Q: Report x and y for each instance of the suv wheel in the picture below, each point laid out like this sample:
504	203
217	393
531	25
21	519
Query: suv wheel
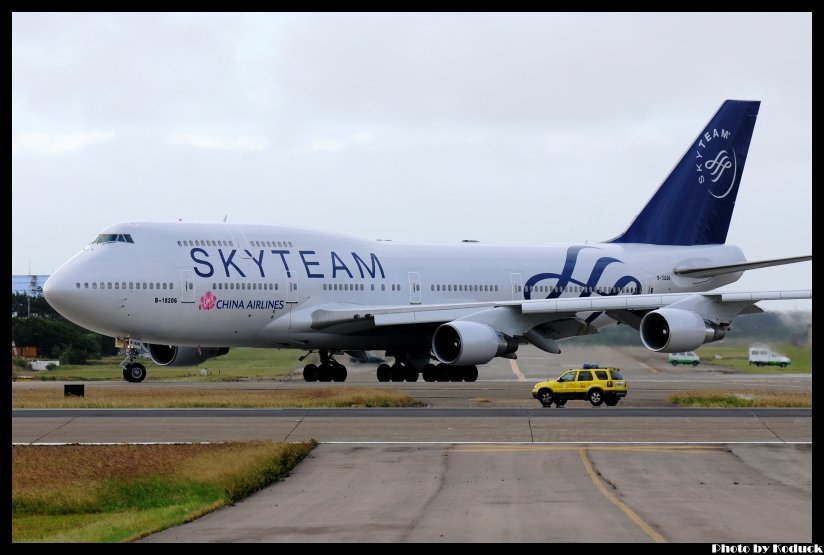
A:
545	397
611	401
596	397
560	402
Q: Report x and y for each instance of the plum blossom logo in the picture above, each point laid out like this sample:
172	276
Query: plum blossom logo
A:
207	301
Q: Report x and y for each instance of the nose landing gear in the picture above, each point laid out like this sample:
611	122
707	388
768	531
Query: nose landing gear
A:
133	371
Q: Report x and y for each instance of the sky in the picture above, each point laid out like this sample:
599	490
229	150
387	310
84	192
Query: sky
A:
505	128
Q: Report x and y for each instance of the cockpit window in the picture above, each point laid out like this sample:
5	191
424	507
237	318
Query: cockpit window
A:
114	238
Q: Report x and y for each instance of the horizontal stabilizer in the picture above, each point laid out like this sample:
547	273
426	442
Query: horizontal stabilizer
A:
710	271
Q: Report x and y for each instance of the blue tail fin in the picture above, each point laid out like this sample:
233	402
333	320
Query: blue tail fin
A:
694	204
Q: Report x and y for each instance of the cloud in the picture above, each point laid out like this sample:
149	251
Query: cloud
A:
58	143
249	143
332	145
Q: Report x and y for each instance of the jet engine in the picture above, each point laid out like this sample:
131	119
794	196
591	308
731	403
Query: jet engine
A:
673	330
465	343
172	355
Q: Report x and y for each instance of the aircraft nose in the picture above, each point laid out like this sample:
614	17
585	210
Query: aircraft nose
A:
60	292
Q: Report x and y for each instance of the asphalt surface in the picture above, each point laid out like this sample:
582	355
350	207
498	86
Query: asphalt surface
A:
484	462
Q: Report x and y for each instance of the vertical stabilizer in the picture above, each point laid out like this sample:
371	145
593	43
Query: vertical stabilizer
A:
693	206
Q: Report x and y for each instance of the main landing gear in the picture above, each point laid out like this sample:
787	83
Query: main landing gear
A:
402	370
329	370
133	371
431	373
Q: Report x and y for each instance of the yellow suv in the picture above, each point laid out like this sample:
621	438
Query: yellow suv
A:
597	385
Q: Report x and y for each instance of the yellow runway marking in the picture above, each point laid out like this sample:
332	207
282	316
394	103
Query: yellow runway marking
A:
517	371
650	531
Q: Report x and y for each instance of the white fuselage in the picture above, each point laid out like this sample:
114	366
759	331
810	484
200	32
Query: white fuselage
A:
227	285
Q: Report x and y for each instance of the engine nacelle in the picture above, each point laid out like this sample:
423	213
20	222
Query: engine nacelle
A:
172	355
673	330
465	343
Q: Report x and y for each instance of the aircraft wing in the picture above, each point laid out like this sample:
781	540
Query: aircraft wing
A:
710	271
519	316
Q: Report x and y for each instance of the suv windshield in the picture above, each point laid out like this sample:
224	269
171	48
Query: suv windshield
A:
616	375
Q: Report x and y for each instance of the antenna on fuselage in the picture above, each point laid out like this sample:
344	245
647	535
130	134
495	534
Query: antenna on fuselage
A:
224	218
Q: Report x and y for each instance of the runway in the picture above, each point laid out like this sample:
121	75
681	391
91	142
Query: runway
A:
483	462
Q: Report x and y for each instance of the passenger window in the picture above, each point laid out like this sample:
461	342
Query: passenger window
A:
568	377
585	376
601	375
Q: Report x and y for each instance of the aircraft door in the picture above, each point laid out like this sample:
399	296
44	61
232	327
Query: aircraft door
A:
291	288
650	284
517	288
187	286
414	288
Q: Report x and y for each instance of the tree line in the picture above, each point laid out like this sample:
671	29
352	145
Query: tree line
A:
34	323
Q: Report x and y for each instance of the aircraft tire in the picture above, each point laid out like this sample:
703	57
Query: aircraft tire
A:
135	372
310	373
325	373
339	373
397	373
430	373
443	373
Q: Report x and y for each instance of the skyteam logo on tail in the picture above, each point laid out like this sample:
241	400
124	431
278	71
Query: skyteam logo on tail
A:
716	162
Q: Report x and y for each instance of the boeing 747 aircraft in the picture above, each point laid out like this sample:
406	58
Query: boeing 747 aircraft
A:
190	291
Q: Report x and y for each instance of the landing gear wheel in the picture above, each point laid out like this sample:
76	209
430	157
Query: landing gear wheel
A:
384	372
471	373
310	373
443	373
339	373
596	397
411	375
134	372
456	373
325	373
397	373
545	397
430	373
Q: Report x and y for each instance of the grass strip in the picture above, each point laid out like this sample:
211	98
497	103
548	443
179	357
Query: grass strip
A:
119	493
744	399
146	396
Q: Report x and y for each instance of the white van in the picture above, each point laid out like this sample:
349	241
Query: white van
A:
764	356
